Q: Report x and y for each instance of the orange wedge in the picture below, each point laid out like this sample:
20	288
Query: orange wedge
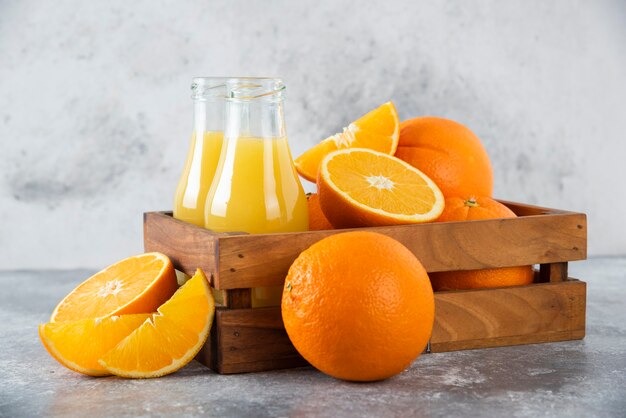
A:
170	338
78	345
138	284
361	187
377	130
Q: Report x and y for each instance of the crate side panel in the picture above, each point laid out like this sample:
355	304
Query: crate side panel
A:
509	316
255	340
187	245
263	260
250	340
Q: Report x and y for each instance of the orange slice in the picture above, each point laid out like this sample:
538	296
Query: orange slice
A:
170	338
78	345
361	187
377	130
138	284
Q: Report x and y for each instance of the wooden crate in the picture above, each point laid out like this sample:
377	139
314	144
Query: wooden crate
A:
245	339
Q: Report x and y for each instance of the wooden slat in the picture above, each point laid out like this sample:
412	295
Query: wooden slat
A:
187	245
246	261
238	298
209	354
523	209
246	340
263	260
509	316
254	340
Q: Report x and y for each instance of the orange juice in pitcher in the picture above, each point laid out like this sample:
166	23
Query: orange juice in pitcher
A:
208	94
256	188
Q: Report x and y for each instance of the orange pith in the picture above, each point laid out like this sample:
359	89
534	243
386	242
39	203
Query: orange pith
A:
170	338
78	345
447	152
138	284
362	187
476	208
377	130
358	306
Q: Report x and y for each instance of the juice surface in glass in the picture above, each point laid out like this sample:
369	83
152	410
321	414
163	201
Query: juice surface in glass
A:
197	176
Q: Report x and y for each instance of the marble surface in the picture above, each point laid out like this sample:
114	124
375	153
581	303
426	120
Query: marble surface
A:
578	378
95	114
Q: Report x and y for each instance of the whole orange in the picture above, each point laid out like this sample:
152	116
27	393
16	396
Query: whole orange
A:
317	219
358	306
475	208
447	152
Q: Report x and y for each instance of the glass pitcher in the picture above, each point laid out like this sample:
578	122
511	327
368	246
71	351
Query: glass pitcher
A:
208	94
256	188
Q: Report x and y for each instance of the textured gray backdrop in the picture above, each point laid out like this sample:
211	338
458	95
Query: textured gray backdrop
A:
95	113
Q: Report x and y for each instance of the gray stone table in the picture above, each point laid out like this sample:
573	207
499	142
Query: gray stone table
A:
578	378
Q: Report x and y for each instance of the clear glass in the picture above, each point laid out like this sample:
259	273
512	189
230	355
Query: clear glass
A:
256	188
209	94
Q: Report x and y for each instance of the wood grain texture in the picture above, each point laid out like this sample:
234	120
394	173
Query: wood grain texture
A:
187	245
508	316
238	298
237	261
263	260
553	272
523	209
252	340
247	340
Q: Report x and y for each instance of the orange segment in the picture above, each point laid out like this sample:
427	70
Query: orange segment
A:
138	284
377	130
362	187
171	338
78	345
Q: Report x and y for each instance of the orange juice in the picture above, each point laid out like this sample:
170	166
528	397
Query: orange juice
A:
256	190
197	176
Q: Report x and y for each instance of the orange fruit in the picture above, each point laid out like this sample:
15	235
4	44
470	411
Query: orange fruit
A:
171	338
358	306
362	187
317	219
447	152
377	130
476	208
481	279
138	284
78	345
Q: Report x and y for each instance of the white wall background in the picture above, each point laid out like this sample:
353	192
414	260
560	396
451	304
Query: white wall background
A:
95	113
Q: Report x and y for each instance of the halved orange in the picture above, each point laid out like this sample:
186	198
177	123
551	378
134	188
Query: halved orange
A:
138	284
78	345
361	187
377	130
170	338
